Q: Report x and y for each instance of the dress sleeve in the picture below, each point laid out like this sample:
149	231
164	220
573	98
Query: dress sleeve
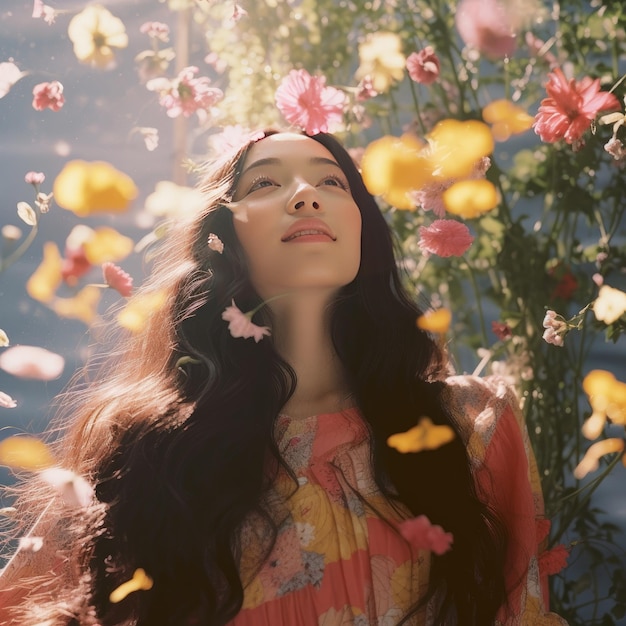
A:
488	413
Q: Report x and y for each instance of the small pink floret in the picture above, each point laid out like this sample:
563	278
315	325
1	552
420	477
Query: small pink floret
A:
34	178
306	102
423	535
445	238
116	278
48	96
423	66
240	324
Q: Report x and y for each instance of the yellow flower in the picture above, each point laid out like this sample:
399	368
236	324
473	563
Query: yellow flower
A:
44	282
470	198
25	453
506	119
610	304
135	314
382	60
424	436
591	460
607	397
106	244
456	146
95	31
93	187
140	581
435	321
80	307
393	167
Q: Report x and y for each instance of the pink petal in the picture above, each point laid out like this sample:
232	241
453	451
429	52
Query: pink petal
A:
445	238
32	362
6	401
74	489
116	278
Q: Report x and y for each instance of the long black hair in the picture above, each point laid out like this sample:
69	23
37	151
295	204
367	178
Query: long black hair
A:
177	430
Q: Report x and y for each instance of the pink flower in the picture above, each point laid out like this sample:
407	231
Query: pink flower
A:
48	96
423	66
233	138
43	10
240	324
308	103
185	94
158	30
32	362
570	108
75	264
486	25
6	401
445	238
215	243
501	330
423	535
116	278
553	561
615	148
238	13
556	328
34	178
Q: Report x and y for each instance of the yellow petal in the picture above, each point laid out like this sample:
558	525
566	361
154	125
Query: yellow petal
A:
507	119
83	306
134	316
457	146
470	198
25	453
106	244
394	167
44	282
92	187
590	462
139	582
435	321
424	436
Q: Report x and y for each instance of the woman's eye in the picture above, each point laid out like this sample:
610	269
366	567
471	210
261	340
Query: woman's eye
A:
334	181
260	184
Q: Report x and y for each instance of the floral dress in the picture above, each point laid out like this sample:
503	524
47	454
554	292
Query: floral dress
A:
338	558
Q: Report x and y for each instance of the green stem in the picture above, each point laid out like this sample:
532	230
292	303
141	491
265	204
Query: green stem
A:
260	306
420	121
481	315
19	251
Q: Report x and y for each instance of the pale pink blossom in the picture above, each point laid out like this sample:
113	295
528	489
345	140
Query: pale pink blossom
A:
365	89
34	178
6	401
306	102
32	362
43	10
501	330
233	138
116	278
215	243
74	490
423	66
445	238
185	94
570	107
423	535
157	30
487	26
555	328
43	201
615	148
48	96
238	13
240	324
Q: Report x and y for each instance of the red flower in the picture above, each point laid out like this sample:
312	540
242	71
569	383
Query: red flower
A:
571	107
116	278
75	264
421	534
553	561
445	238
501	330
423	66
565	287
48	96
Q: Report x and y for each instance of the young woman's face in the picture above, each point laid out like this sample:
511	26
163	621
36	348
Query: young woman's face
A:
302	228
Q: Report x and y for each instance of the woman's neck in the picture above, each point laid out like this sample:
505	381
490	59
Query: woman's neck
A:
301	334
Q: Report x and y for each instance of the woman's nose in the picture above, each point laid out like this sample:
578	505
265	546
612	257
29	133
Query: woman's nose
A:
305	198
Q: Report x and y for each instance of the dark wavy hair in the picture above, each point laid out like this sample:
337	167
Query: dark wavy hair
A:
175	430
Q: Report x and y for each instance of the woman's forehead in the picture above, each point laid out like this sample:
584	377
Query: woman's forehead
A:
286	146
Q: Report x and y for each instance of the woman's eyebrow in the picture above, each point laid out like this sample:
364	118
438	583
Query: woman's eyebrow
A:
275	161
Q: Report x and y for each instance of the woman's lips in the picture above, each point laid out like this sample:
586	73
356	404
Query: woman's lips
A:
304	230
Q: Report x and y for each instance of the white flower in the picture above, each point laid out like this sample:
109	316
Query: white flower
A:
610	304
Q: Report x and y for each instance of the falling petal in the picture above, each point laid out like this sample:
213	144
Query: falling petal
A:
32	362
591	460
139	582
30	544
27	213
6	401
4	339
435	321
82	307
424	436
9	75
134	316
470	198
106	244
73	489
25	453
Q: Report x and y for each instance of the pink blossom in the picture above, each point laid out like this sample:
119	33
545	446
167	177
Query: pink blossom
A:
555	328
185	94
34	178
240	324
6	401
615	148
43	10
486	25
48	96
445	238
233	138
423	66
32	362
238	13
215	243
570	108
308	103
219	65
116	278
365	89
158	30
423	535
75	264
501	330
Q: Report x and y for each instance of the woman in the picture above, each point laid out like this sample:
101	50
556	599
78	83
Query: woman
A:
251	479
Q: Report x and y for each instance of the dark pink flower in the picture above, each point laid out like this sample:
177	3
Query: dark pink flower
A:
308	103
240	324
34	178
423	535
445	238
423	66
487	26
501	330
185	94
571	107
553	561
116	278
75	264
48	96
